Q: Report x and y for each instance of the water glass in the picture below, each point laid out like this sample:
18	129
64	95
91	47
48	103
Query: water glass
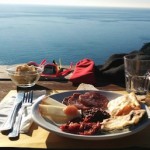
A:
137	73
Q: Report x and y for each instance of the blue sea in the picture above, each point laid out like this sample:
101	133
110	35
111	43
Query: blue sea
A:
33	33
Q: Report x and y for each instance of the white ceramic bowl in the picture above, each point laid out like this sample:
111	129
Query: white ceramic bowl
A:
24	75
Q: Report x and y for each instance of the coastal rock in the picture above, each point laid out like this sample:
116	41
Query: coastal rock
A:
145	48
113	68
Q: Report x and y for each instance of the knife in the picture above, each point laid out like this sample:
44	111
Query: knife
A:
12	116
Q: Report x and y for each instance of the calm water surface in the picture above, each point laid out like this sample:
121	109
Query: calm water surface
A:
70	33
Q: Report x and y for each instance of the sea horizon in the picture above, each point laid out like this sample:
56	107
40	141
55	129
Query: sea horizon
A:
35	32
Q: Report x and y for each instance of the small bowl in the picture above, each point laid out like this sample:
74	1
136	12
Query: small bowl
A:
24	75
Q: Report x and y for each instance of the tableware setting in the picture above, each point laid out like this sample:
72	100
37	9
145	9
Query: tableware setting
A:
137	73
24	75
49	124
26	102
18	119
57	117
22	120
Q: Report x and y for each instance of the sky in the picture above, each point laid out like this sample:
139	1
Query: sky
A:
98	3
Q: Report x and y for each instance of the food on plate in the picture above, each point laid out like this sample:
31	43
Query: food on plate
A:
56	111
120	113
120	122
123	105
82	128
87	100
50	101
89	124
95	114
91	113
71	110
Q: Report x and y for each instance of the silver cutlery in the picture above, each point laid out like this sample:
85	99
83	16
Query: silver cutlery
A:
27	101
12	116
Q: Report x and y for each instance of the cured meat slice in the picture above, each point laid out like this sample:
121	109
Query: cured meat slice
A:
94	99
87	100
74	100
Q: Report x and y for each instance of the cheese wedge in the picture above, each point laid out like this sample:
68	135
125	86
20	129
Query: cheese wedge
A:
56	113
53	112
50	101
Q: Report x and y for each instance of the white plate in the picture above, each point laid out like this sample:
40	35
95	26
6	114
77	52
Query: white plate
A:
59	97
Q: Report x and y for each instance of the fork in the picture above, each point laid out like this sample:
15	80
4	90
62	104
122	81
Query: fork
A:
27	101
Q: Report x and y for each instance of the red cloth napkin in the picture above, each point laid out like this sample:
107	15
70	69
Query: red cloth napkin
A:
84	72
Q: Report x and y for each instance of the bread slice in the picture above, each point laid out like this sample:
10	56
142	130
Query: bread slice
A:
120	122
123	105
